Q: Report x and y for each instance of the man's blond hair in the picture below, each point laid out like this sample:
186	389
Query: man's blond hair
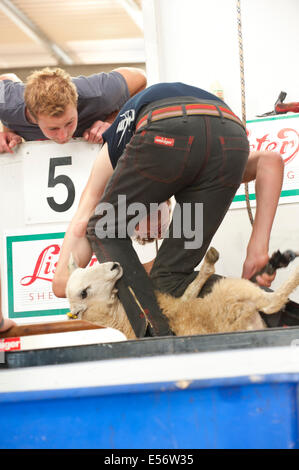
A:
49	91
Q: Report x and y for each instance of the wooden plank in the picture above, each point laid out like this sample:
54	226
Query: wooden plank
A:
46	328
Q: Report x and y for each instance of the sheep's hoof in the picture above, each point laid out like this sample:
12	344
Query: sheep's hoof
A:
72	315
212	255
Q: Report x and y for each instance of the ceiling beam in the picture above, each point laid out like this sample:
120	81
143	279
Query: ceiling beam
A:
33	31
133	11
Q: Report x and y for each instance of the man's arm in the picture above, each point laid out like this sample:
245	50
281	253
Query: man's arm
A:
8	138
93	135
267	169
136	82
75	241
135	78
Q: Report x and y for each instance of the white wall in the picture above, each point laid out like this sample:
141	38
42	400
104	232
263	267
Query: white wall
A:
196	41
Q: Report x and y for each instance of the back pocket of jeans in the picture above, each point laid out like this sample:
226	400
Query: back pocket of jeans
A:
159	156
234	153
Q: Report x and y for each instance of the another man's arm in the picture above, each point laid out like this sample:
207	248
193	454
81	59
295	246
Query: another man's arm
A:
10	76
8	138
93	135
136	82
135	78
267	169
5	323
75	241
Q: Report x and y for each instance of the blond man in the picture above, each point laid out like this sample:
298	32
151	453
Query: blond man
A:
52	105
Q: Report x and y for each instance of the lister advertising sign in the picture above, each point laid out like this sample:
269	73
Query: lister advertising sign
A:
277	134
31	263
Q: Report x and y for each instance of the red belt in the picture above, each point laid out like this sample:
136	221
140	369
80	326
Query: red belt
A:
190	109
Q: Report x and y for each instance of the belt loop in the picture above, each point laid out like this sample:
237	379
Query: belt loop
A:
184	113
220	114
149	117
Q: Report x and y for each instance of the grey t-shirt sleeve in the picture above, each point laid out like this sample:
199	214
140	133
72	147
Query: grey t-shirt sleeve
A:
2	93
11	98
110	89
12	111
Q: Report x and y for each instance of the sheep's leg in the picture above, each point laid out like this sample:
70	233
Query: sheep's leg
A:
275	301
206	270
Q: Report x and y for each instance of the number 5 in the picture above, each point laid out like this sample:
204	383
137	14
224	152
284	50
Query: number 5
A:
61	179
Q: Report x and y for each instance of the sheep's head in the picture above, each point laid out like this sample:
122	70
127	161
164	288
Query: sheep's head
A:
92	290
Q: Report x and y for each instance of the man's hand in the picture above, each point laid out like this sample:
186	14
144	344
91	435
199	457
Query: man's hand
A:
155	225
93	135
9	140
254	263
7	324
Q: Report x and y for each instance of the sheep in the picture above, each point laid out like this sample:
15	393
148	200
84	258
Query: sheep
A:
232	305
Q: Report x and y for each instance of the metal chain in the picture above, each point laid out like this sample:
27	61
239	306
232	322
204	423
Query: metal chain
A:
242	77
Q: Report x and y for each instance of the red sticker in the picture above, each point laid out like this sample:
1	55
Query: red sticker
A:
10	344
164	141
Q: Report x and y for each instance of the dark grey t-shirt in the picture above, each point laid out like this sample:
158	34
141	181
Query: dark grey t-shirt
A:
98	96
